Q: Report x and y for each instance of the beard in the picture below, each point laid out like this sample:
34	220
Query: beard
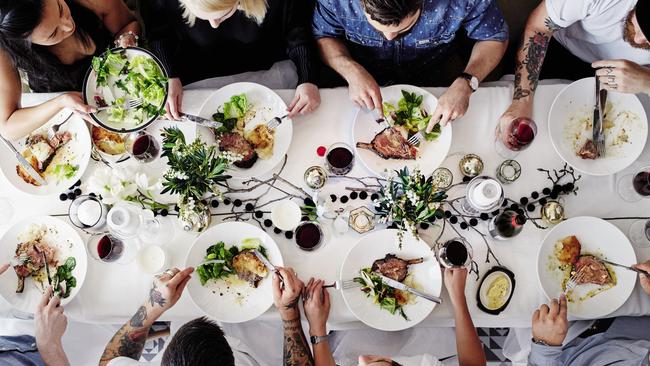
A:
629	32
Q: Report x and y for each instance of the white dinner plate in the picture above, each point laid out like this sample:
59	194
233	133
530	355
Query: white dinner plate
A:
597	237
112	92
241	302
426	277
569	124
69	244
432	153
267	105
76	151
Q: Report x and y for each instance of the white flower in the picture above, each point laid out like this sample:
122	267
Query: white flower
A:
113	185
147	184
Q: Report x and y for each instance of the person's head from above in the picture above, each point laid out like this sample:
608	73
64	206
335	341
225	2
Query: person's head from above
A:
199	342
218	11
392	18
39	22
370	360
637	26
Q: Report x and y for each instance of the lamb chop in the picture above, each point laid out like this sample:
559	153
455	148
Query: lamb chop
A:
592	270
28	260
391	143
394	267
237	144
249	268
588	151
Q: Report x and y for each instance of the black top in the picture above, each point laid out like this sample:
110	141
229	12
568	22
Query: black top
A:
88	24
239	44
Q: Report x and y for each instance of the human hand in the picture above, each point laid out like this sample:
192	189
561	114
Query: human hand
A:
286	293
643	279
623	76
550	324
174	99
520	108
167	288
305	101
74	101
50	322
3	268
364	91
455	279
452	104
316	301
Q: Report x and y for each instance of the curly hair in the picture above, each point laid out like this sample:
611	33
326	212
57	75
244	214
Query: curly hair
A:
390	12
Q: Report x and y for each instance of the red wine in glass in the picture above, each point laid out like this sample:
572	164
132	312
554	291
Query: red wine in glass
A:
144	147
456	253
641	182
506	225
308	236
519	134
340	159
109	248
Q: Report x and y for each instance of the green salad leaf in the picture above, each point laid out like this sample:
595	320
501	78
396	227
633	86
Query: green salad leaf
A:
382	295
63	281
410	114
64	171
236	107
219	251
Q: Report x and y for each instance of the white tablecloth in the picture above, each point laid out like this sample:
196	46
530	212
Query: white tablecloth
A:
111	293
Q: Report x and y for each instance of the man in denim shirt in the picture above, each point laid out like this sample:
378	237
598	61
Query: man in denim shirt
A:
371	42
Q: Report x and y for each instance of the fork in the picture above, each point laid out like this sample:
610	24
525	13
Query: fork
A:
381	121
418	137
275	122
130	104
216	261
19	261
576	276
54	129
343	285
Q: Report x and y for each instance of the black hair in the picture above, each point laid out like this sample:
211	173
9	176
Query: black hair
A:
643	16
199	342
18	19
390	12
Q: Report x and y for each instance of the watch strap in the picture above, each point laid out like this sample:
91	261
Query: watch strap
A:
471	80
317	339
539	341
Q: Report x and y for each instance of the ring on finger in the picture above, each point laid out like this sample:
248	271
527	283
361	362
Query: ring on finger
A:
609	70
611	79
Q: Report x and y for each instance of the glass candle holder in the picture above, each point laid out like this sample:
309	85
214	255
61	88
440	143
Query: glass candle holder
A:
88	213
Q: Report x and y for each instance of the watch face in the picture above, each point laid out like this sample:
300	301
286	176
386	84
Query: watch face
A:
473	83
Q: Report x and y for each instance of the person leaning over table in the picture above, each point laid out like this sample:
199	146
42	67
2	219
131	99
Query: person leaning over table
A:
383	42
616	341
44	349
53	42
202	39
469	348
578	36
201	341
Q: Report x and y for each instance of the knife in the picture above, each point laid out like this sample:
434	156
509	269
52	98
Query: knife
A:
265	261
595	126
201	121
24	163
601	133
639	271
400	286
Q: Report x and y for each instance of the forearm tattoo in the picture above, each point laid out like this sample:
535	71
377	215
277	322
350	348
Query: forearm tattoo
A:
129	340
550	24
295	350
155	297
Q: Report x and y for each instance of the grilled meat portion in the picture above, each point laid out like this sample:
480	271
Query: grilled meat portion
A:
30	255
588	151
394	267
237	144
570	250
391	143
591	270
249	268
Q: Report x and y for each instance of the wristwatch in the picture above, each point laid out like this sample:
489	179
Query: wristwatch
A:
317	339
471	80
539	341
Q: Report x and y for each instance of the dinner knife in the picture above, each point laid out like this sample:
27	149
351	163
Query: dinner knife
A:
400	286
201	121
595	126
264	261
637	270
24	163
601	132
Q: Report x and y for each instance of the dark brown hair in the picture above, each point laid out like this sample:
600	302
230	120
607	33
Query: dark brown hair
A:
390	12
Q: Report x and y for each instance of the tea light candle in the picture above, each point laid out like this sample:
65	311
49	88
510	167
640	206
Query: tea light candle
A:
486	193
89	212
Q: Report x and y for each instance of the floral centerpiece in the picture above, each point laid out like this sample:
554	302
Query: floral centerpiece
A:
195	169
407	200
126	183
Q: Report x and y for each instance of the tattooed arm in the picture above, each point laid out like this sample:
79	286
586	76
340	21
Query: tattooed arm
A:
130	339
530	58
287	289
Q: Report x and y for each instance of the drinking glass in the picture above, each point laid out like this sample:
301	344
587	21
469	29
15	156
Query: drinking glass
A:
88	213
515	137
152	229
309	236
635	187
455	253
483	194
339	159
108	248
639	233
142	146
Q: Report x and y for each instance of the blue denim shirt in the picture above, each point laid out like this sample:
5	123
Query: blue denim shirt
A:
428	39
19	351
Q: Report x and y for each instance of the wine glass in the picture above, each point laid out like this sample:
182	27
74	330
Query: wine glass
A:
639	233
108	248
515	137
455	253
142	146
635	187
339	159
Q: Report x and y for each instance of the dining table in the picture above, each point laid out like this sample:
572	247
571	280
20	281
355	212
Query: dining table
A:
112	292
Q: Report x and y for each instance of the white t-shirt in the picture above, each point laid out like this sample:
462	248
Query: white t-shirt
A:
593	29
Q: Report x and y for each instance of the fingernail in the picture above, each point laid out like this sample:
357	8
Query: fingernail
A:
274	277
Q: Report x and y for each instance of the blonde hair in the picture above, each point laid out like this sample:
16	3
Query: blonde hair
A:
255	9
